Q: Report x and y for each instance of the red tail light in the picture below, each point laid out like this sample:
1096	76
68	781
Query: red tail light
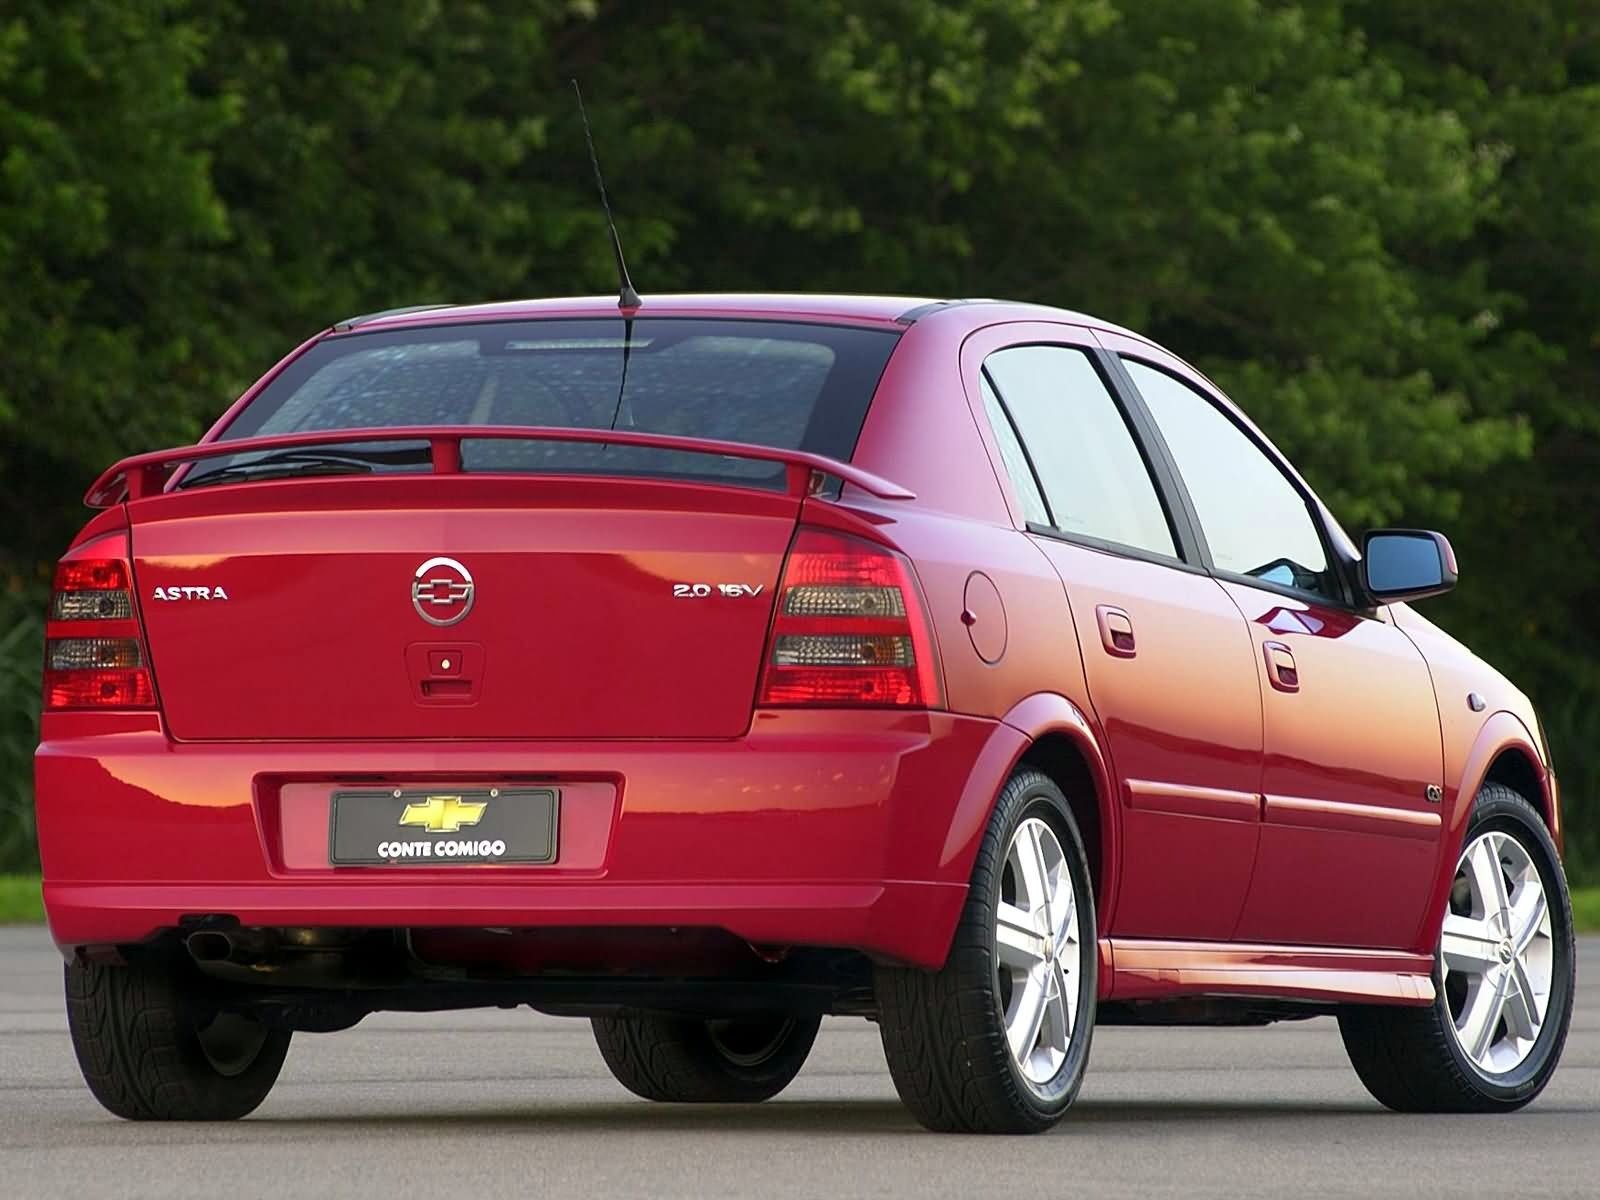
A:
850	629
94	655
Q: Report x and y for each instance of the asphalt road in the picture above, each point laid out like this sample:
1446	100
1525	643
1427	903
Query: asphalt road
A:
488	1104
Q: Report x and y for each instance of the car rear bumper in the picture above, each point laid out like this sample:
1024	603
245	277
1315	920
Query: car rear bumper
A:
853	830
892	918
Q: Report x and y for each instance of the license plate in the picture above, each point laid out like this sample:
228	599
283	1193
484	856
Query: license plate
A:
444	826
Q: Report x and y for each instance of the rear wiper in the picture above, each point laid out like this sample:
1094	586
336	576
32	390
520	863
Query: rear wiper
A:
285	463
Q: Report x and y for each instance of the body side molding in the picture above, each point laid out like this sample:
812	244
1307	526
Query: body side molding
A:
1147	969
1188	801
1353	818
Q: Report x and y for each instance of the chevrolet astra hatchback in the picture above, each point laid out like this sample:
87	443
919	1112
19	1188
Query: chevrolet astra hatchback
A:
708	666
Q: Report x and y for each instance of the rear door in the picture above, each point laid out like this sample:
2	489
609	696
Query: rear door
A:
1350	828
1167	656
550	589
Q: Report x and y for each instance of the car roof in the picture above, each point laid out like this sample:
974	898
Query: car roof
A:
896	311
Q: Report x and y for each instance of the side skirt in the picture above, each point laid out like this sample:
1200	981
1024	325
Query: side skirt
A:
1147	969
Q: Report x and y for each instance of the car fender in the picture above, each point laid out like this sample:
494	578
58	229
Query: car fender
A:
1503	731
1040	715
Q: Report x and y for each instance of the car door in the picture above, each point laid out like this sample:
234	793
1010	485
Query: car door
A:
1166	655
1350	819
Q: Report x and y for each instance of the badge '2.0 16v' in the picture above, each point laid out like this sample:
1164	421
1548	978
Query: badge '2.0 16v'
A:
715	664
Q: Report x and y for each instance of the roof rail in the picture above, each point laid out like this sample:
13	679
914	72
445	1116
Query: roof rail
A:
351	322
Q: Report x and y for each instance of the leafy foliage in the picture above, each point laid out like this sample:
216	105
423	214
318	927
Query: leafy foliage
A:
21	652
1376	228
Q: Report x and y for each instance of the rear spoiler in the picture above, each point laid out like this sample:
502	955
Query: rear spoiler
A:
147	474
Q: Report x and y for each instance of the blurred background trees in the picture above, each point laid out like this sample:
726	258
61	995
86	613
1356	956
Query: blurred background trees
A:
1376	222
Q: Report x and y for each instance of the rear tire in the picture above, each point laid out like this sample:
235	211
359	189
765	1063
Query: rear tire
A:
948	1034
1439	1059
678	1060
151	1050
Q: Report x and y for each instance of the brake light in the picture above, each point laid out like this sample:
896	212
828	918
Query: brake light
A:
94	655
850	629
92	590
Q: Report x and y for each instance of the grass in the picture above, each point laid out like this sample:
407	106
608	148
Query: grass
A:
19	900
20	903
1586	909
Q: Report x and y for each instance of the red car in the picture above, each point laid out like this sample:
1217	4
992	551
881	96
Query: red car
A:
715	664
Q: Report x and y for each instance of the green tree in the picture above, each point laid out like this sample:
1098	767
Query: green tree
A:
1525	82
1377	229
107	218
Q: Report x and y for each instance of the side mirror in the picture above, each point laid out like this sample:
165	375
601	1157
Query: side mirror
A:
1406	564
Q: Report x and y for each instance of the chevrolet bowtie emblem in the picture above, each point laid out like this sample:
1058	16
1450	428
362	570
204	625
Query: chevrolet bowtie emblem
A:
443	814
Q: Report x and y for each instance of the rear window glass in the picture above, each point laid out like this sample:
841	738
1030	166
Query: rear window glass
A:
782	384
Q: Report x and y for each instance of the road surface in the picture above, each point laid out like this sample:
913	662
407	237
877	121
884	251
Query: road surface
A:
487	1104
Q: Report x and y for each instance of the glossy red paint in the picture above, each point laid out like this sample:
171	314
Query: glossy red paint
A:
1349	755
796	833
1185	872
1245	753
576	628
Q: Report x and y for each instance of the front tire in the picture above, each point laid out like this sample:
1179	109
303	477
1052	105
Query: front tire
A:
997	1040
680	1060
1503	976
151	1050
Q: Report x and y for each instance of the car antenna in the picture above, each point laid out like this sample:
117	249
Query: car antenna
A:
628	298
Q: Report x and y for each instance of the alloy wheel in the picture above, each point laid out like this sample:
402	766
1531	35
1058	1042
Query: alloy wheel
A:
1497	954
1037	948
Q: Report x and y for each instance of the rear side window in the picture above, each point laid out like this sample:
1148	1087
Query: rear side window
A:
1015	459
783	384
1095	481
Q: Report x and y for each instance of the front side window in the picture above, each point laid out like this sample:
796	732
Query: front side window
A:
1255	520
1095	481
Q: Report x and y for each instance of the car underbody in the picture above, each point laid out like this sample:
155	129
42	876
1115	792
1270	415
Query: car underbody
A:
318	980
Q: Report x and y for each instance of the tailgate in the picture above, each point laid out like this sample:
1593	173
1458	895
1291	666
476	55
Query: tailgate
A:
458	607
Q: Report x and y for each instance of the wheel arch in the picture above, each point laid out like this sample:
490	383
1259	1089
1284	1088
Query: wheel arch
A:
1517	767
1050	733
1061	758
1504	752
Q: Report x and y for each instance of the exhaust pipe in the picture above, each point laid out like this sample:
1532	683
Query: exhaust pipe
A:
237	946
209	945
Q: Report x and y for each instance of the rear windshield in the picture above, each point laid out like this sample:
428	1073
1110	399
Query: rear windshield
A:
788	385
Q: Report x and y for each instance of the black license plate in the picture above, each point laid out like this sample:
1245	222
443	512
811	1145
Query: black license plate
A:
444	826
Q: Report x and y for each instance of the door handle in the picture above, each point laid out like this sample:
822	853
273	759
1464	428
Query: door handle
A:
1116	631
1281	671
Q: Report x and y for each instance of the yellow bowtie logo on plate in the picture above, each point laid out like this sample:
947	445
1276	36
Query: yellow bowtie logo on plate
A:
443	814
